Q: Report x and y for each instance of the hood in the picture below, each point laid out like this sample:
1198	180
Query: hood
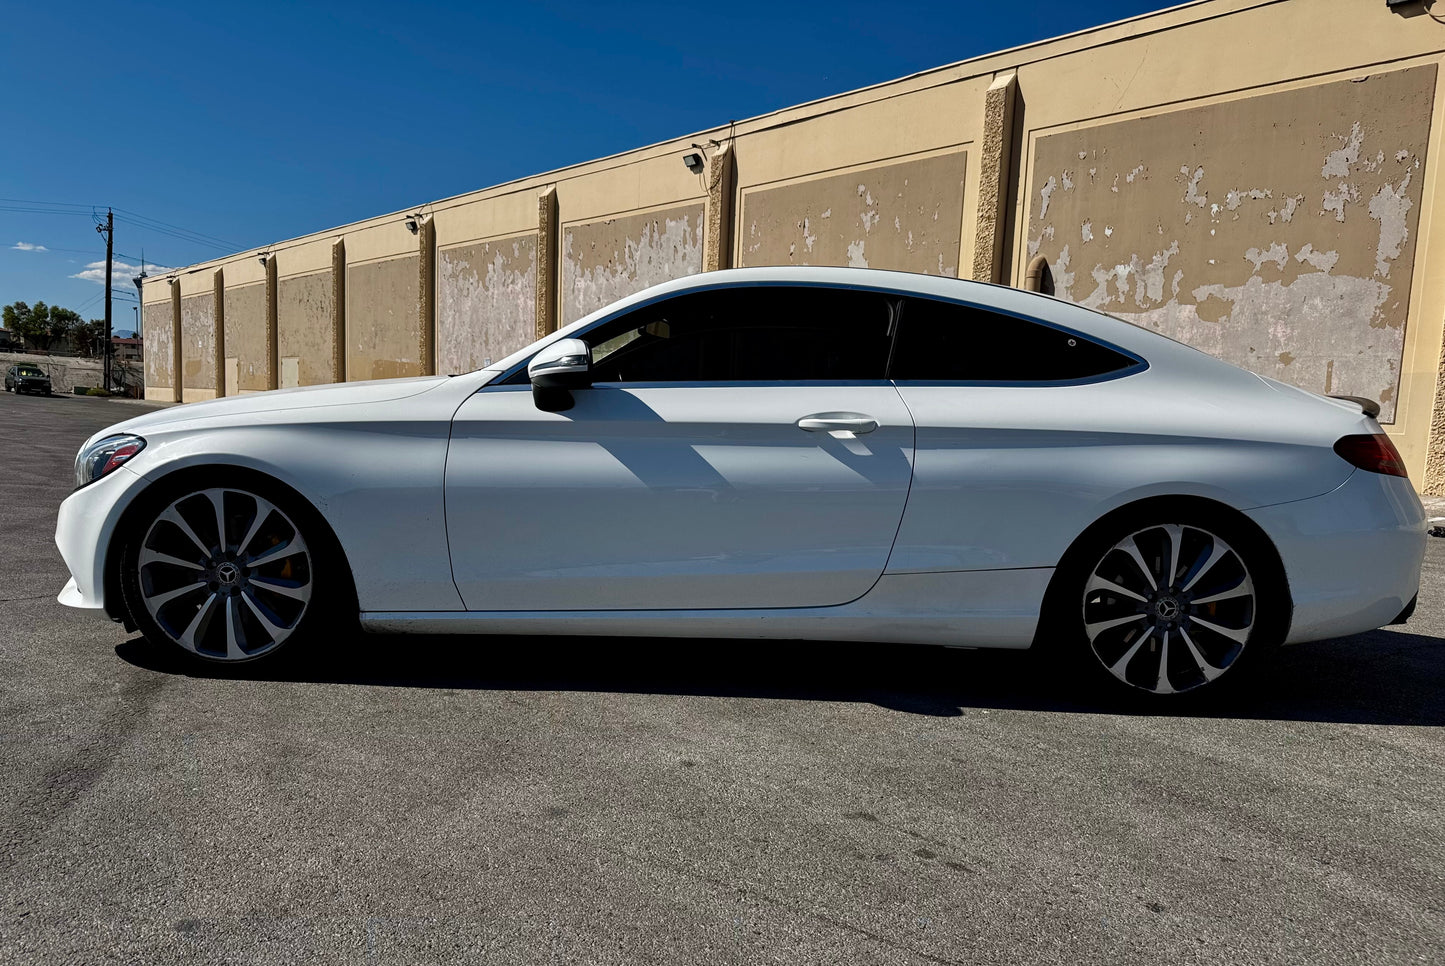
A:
304	397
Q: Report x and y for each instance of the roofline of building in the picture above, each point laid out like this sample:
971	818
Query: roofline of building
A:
805	110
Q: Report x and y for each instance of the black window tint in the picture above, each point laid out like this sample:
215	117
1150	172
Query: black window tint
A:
755	334
959	343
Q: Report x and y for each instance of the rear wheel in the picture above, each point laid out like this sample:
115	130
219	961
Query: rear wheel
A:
1175	604
227	574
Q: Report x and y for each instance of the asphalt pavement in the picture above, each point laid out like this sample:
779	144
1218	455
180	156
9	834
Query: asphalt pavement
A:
514	801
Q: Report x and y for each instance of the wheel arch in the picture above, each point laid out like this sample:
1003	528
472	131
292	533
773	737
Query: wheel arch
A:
1137	510
211	474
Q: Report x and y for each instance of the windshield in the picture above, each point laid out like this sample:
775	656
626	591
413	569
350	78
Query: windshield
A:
28	371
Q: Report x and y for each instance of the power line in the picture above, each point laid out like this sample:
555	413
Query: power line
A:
52	204
155	224
23	206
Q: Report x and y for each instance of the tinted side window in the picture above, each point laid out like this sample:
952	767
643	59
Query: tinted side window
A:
960	343
755	334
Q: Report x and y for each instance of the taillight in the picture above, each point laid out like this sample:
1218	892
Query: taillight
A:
1373	452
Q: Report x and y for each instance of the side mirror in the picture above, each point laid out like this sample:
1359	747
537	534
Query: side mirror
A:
562	366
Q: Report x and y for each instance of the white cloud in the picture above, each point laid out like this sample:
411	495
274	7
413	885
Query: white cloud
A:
29	247
121	273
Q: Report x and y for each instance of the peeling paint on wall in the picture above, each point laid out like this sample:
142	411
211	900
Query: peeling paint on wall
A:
305	328
904	217
198	341
156	321
486	305
246	335
603	261
1284	243
383	319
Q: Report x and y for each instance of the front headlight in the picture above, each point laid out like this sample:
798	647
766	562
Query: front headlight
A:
103	456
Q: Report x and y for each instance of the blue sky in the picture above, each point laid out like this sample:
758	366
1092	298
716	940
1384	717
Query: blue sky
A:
250	123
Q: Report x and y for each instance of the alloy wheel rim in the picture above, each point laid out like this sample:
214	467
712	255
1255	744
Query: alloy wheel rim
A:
225	573
1169	608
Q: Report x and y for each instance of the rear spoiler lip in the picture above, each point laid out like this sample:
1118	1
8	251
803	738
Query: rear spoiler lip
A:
1369	406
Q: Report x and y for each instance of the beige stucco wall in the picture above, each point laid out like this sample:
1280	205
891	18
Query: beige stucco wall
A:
382	328
604	260
902	215
246	357
306	333
1272	231
383	311
486	279
1262	95
198	336
158	330
486	301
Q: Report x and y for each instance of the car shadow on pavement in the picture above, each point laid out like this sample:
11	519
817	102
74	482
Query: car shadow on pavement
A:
1383	677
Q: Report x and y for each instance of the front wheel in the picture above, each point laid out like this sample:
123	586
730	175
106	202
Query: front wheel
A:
227	574
1175	604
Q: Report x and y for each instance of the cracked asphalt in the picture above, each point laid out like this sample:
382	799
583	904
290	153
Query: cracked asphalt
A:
534	800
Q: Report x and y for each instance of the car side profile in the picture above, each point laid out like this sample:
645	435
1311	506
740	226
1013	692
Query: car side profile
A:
27	379
829	454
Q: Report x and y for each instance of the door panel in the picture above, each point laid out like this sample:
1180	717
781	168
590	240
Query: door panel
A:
676	496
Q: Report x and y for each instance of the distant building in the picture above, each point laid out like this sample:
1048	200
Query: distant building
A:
127	350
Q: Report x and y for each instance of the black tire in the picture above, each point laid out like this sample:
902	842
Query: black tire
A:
253	598
1224	611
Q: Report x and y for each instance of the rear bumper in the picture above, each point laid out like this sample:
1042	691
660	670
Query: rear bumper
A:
1352	556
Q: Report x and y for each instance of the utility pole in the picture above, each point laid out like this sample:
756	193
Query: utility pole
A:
108	230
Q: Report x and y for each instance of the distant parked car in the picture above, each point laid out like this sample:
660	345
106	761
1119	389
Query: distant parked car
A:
27	379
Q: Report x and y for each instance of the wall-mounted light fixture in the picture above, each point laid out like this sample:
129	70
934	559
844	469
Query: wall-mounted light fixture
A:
694	161
411	224
262	258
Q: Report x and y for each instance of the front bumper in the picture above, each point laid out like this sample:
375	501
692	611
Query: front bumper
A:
1352	556
83	531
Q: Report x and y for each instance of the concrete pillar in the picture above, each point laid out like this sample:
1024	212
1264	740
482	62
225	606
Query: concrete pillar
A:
548	242
177	373
218	293
338	308
721	185
1434	482
995	172
427	295
273	342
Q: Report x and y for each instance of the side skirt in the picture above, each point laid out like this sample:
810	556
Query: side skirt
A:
976	608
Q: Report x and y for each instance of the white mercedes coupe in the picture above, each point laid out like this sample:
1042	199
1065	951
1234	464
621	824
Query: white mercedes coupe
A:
828	454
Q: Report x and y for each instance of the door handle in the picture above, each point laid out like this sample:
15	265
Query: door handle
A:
836	423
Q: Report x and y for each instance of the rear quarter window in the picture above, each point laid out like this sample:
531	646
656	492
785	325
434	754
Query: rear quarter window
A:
951	342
